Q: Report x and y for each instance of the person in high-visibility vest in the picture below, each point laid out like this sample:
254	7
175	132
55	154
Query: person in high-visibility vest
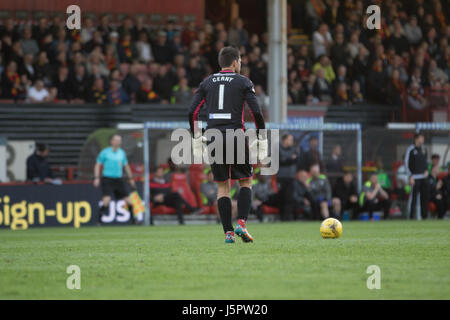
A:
373	197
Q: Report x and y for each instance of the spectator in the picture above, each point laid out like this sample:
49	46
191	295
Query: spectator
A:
263	99
356	96
181	93
320	192
322	88
98	92
143	48
28	44
38	93
96	65
415	97
111	57
335	166
105	27
146	94
446	185
96	41
116	95
310	157
383	177
397	64
12	86
334	13
163	83
341	77
263	194
373	197
237	35
87	31
338	52
398	40
360	68
341	97
27	67
412	31
38	168
438	73
285	175
315	10
395	89
78	84
162	51
140	28
189	34
43	68
376	82
297	94
352	48
322	41
208	192
435	159
324	64
162	194
345	190
302	197
62	84
95	73
177	44
127	49
436	195
195	71
303	72
311	99
131	83
303	55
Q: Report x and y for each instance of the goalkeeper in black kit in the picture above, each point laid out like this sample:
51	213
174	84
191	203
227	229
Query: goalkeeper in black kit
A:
224	94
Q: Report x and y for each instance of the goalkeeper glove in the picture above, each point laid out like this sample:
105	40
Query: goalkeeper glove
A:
263	147
198	146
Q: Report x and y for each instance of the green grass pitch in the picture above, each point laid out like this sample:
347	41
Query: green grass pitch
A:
287	261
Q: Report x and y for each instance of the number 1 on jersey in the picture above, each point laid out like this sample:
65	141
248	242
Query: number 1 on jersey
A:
221	89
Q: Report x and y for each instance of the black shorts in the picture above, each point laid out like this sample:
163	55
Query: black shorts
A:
114	187
235	171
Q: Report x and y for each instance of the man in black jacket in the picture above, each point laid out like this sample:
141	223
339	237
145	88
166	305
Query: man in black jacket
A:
417	167
310	157
345	191
38	168
302	197
286	175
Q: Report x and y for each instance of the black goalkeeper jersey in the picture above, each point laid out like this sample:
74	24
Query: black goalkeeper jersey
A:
224	95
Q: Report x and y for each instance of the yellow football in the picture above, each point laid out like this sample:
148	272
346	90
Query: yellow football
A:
331	228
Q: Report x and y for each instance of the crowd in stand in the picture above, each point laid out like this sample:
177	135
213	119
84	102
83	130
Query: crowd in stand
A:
132	62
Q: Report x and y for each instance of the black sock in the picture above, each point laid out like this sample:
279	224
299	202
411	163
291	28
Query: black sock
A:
224	205
244	203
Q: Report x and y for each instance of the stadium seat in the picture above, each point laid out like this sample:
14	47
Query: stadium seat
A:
196	177
269	210
274	183
208	210
179	184
431	207
161	209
